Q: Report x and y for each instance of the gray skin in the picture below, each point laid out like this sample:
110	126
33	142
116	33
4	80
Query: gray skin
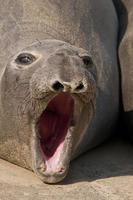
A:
124	10
59	35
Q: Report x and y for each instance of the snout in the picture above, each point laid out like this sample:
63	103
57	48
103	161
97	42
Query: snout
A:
62	86
63	71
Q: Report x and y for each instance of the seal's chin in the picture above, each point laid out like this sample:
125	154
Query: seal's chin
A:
53	126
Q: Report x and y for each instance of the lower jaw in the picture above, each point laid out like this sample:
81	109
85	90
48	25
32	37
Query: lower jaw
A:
55	168
52	178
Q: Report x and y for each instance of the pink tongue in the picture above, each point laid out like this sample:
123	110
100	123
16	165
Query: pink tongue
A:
54	122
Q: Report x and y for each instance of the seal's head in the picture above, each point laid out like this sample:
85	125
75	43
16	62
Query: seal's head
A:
48	98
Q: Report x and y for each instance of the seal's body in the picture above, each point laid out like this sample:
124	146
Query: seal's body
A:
59	85
125	52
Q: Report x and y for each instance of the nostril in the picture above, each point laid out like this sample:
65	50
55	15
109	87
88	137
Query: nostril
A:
80	87
57	86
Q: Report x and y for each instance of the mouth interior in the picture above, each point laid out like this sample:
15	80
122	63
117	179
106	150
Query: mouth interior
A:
54	123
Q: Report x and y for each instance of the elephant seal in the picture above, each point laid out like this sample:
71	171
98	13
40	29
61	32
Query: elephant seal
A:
52	89
124	10
59	82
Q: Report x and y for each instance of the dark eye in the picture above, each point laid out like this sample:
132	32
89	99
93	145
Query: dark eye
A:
87	60
25	59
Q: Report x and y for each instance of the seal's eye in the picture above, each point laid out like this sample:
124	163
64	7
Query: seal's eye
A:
87	60
25	59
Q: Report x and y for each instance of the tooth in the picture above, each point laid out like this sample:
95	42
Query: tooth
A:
61	170
42	168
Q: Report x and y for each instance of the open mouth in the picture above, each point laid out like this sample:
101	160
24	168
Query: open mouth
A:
58	132
54	123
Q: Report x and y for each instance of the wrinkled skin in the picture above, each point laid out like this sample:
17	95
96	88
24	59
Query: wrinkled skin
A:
31	87
59	87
